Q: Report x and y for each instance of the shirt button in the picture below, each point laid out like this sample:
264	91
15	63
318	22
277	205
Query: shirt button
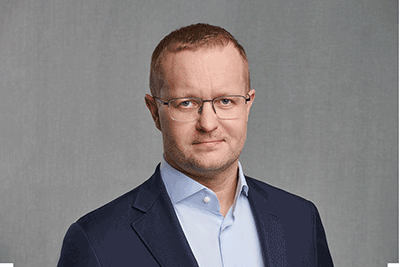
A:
206	199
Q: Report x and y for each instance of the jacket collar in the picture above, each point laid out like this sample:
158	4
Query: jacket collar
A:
269	225
159	227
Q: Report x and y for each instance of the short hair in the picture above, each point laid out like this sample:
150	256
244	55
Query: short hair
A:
192	38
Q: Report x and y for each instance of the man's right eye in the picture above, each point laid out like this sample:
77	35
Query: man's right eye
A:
185	104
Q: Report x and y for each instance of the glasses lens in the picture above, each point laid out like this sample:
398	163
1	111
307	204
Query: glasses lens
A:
184	109
229	107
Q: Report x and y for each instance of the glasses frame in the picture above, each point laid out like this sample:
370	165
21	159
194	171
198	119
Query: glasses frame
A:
166	103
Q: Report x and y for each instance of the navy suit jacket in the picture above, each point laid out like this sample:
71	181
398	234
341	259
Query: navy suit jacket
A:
141	228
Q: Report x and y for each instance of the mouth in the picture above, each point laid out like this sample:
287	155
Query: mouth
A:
208	142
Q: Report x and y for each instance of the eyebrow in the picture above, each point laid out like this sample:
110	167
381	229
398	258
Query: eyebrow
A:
194	95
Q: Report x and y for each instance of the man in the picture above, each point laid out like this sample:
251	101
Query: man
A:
198	209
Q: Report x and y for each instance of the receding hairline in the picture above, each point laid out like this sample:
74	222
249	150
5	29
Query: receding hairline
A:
166	54
185	39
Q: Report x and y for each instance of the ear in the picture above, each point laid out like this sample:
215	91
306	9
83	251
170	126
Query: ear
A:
252	94
152	106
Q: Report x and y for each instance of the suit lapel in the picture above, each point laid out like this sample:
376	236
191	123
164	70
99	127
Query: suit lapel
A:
159	227
269	226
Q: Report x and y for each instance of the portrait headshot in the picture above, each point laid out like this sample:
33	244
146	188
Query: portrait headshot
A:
257	133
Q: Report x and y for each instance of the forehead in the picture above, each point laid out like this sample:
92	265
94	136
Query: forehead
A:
208	69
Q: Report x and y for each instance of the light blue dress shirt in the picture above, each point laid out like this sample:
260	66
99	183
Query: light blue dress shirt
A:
215	240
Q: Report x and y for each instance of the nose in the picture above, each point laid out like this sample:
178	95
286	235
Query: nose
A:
208	120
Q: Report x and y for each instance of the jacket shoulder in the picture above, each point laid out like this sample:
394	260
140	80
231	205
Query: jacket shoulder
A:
121	210
106	234
283	201
117	206
275	191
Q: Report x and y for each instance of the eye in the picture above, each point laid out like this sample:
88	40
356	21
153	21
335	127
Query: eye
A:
185	103
225	101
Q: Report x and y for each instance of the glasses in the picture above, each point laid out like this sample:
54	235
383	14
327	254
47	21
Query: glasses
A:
190	108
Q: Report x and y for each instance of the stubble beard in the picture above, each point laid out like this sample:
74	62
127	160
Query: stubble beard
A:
196	169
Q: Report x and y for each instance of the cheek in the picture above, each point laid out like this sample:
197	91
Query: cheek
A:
174	133
237	130
166	130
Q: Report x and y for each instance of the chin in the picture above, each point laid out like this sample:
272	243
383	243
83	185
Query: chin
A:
210	165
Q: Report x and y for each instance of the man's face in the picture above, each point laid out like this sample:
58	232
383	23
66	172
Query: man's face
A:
208	144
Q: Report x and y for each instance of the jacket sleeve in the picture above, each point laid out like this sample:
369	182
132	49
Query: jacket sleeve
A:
322	254
77	250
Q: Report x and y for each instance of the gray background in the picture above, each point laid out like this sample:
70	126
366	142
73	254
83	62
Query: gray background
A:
75	132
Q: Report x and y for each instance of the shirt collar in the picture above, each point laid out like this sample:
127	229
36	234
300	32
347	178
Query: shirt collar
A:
179	186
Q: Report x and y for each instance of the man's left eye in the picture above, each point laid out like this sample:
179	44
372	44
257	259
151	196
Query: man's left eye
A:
186	103
225	101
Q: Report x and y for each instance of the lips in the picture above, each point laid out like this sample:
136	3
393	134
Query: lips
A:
208	142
